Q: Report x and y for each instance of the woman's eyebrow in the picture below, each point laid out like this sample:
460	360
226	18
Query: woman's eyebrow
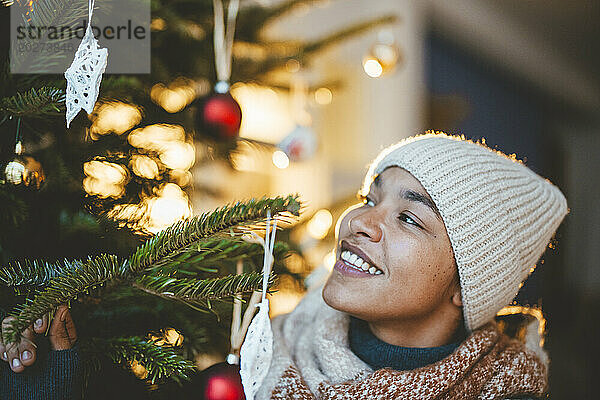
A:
417	197
411	195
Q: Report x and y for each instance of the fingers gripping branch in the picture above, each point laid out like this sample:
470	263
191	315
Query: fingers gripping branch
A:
23	353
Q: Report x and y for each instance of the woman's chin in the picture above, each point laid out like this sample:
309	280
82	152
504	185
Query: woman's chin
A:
337	296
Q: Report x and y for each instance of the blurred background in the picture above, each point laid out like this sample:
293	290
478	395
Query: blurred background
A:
323	86
522	75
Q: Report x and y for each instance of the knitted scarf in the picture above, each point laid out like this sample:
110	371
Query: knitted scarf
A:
312	360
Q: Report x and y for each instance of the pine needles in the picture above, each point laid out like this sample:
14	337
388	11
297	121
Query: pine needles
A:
63	289
163	266
178	237
42	102
197	292
207	253
154	362
30	275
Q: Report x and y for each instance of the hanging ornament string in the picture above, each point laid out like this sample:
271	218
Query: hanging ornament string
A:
239	326
223	41
257	350
236	320
85	73
23	170
268	256
90	12
219	115
18	138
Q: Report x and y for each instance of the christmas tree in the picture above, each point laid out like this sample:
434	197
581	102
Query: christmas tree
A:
76	205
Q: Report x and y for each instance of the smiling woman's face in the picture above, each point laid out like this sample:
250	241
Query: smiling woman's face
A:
394	258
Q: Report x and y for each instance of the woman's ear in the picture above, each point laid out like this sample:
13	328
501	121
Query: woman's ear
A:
457	298
456	293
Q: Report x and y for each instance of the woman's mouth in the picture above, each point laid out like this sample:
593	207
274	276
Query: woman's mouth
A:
352	264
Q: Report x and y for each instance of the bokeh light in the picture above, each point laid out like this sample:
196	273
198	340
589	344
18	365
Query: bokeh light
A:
319	225
167	337
156	137
179	93
144	167
139	370
266	113
105	179
106	171
280	159
292	65
372	67
133	216
323	96
177	155
329	260
181	177
170	206
114	117
158	25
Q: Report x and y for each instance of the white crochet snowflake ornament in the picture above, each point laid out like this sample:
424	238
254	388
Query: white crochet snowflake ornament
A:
257	350
84	76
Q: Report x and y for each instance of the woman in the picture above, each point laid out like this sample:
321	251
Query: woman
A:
447	232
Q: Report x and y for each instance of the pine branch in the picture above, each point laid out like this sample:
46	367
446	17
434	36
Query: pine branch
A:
161	249
45	101
57	13
281	52
64	288
196	292
253	18
347	33
231	219
272	13
160	362
31	275
207	253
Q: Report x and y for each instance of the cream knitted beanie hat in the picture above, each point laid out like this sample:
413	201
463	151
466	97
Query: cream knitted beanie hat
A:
499	214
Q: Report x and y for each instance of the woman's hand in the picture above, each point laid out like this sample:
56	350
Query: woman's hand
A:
62	336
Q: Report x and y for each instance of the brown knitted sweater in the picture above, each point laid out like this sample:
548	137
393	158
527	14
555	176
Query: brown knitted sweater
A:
312	360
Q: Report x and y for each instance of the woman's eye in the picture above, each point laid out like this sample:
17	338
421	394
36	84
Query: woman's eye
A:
368	202
407	218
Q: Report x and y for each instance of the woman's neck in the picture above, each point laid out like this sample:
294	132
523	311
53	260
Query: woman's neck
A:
379	354
431	332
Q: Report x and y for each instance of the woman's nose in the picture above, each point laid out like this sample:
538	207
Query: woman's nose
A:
367	224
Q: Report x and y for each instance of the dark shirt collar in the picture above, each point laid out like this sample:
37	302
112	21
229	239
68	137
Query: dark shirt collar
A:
379	354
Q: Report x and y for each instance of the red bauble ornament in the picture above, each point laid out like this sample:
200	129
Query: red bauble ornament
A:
219	116
222	381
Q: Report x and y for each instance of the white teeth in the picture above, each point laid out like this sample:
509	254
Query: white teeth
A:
358	263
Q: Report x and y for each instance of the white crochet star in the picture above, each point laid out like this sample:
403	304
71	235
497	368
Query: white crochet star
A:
84	76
